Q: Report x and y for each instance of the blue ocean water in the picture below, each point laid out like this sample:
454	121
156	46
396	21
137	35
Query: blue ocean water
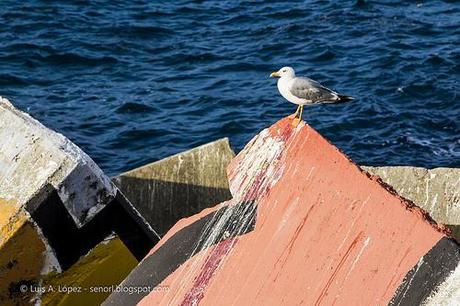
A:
135	81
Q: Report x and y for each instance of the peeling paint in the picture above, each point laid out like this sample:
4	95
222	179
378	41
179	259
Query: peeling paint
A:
248	179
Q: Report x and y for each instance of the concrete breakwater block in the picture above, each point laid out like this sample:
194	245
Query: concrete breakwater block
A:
55	206
306	226
180	185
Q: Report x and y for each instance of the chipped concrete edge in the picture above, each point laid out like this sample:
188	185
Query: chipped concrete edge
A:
435	190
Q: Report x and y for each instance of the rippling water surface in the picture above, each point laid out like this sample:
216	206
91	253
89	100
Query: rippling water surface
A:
136	81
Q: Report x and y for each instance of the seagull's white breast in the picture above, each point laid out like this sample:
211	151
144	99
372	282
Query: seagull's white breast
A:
284	86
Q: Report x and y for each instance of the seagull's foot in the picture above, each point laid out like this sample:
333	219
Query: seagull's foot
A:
296	114
295	122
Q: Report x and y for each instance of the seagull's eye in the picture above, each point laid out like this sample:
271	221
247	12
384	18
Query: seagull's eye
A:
284	70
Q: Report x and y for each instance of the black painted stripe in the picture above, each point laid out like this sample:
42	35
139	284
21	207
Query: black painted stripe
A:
69	242
428	274
227	222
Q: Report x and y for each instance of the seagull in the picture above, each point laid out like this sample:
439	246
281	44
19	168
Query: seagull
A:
302	91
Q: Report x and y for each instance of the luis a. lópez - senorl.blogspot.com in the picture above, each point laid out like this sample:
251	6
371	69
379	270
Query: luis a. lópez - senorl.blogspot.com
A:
92	289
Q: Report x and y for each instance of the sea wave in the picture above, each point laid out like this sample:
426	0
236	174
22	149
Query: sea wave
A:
133	82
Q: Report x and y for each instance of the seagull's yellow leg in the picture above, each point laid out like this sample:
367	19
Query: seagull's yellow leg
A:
296	111
296	120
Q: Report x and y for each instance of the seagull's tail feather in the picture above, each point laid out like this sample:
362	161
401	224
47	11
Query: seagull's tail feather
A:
344	98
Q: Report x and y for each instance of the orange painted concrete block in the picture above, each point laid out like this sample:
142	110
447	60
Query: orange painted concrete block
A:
306	226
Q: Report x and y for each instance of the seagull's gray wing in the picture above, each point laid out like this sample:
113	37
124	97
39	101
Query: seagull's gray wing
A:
312	91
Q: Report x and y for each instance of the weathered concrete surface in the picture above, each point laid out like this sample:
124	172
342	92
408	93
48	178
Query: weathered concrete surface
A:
32	156
179	186
436	190
18	235
305	226
56	205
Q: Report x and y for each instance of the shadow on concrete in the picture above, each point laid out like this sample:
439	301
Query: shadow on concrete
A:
164	203
455	228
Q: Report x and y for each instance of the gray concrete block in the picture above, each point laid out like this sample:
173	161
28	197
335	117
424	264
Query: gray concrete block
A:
179	186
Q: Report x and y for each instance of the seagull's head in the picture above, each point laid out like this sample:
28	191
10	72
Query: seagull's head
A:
285	72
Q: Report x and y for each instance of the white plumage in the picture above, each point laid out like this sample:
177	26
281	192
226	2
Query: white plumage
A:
302	90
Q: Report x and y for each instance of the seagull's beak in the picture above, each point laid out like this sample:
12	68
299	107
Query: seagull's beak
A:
274	74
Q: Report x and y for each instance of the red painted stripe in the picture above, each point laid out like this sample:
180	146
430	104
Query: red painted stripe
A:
201	282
